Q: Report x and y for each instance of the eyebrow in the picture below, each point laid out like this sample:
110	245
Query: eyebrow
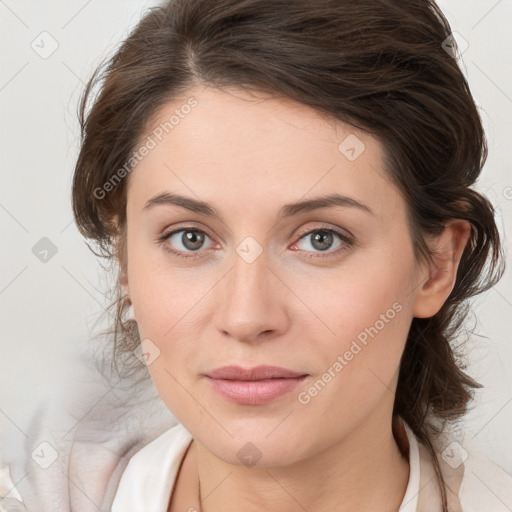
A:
288	210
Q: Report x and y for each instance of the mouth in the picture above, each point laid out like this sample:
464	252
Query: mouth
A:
257	373
253	386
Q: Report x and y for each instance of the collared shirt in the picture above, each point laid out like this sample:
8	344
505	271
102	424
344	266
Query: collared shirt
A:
474	483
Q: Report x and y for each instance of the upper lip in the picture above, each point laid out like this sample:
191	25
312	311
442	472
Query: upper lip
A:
256	373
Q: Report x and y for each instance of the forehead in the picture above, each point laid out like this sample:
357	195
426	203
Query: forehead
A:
252	149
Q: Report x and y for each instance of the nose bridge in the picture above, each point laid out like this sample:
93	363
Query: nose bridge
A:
249	304
248	279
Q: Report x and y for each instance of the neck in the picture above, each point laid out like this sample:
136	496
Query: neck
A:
365	469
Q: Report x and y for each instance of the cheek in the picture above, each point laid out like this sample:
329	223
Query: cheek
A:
367	307
172	308
163	293
354	296
170	327
358	364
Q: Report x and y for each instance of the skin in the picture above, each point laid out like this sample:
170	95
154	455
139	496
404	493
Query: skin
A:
294	306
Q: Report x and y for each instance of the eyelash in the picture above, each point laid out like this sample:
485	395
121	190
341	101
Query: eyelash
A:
347	242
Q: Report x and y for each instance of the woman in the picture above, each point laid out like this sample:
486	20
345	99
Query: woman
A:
287	187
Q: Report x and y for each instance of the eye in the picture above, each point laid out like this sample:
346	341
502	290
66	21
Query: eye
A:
323	239
185	240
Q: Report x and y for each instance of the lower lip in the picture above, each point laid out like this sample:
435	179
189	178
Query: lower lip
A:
254	392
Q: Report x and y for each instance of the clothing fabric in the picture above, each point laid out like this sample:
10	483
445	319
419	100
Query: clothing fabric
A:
96	431
121	453
475	484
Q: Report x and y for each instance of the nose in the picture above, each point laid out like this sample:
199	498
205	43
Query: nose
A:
252	301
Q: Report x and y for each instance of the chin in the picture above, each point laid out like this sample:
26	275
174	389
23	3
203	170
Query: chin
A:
256	446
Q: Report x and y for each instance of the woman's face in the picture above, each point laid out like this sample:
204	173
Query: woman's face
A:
252	280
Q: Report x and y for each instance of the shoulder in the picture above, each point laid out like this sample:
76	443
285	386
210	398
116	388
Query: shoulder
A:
485	485
474	481
150	474
164	448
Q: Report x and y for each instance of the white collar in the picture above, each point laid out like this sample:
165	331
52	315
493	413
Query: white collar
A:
410	501
150	475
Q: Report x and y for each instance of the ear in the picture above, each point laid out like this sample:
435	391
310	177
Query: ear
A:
124	285
440	279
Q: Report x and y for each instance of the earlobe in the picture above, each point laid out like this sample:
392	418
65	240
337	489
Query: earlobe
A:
435	289
115	222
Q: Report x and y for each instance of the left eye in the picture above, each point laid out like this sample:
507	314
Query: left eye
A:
322	239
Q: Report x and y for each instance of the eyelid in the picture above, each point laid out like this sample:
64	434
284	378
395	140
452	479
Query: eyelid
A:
187	226
326	227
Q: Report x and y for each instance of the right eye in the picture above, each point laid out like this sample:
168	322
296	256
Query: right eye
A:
187	239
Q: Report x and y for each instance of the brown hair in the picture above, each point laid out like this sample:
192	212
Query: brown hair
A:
378	65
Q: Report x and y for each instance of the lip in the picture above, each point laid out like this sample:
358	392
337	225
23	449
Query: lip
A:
256	373
253	386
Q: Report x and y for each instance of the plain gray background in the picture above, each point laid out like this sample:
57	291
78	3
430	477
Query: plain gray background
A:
48	308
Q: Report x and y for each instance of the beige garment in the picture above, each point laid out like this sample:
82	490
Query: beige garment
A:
429	498
115	463
427	492
474	483
149	478
93	452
